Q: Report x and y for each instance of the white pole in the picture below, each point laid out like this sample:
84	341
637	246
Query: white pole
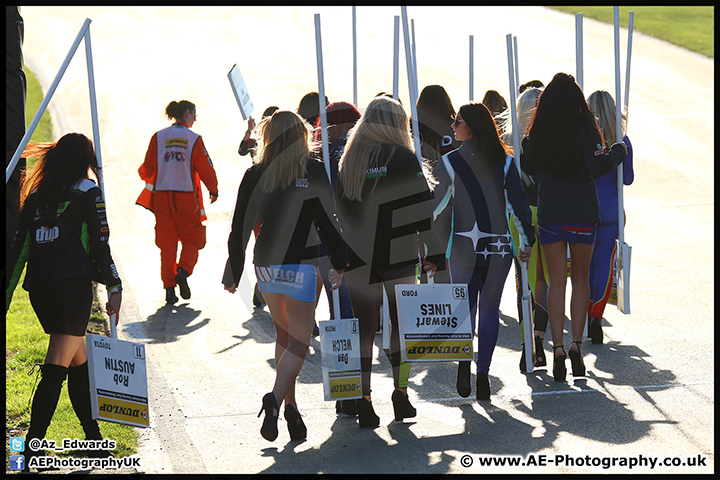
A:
94	111
411	82
631	21
96	137
43	105
354	34
414	60
396	58
579	50
517	70
321	98
472	66
618	124
525	304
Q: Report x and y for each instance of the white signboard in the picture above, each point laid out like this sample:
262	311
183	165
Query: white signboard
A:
434	322
240	90
118	380
340	358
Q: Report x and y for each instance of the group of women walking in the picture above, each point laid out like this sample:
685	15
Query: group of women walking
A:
458	227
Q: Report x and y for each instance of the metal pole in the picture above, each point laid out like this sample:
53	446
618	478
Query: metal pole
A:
354	33
472	66
43	105
525	304
631	21
396	58
618	124
579	50
414	60
517	70
411	81
321	98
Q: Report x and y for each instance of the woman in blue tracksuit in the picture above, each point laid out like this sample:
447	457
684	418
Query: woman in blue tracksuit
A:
478	185
601	266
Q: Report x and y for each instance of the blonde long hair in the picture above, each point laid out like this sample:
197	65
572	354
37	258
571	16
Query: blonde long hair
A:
526	104
603	107
285	147
384	122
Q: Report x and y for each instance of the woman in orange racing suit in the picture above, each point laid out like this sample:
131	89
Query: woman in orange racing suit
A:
175	163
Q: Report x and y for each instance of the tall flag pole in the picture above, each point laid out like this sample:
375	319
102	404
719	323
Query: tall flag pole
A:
524	285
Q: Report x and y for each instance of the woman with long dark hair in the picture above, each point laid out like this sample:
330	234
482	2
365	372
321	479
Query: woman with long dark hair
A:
565	147
288	190
477	184
63	238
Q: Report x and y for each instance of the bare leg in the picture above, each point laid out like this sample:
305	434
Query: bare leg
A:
556	257
297	318
580	258
66	350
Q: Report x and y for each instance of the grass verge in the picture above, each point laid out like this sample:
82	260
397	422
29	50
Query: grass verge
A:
690	27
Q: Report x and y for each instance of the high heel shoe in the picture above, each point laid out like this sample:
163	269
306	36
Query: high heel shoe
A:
296	427
402	406
540	360
482	386
463	379
269	429
578	366
366	414
559	370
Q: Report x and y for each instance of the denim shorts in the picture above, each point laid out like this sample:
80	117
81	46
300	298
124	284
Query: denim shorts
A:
571	233
295	281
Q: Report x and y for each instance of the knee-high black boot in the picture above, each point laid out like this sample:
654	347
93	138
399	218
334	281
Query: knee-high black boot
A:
79	390
44	403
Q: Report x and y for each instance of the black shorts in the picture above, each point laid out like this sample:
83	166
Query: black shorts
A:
63	307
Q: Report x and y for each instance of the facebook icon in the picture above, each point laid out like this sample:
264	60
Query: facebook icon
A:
17	462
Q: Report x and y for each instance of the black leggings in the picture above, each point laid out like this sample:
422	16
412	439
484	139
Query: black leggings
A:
365	294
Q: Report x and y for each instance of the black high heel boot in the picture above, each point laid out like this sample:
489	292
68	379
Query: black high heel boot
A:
559	370
43	407
463	379
540	360
401	406
576	360
269	429
296	427
366	414
79	393
595	330
482	386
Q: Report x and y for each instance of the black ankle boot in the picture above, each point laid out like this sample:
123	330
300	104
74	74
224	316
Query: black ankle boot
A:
482	384
44	403
181	280
463	379
366	414
402	406
170	297
79	392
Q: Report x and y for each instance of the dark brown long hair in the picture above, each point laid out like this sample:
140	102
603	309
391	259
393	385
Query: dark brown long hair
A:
485	141
561	116
58	167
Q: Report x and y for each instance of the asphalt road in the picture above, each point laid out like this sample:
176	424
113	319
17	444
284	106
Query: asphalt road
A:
649	390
